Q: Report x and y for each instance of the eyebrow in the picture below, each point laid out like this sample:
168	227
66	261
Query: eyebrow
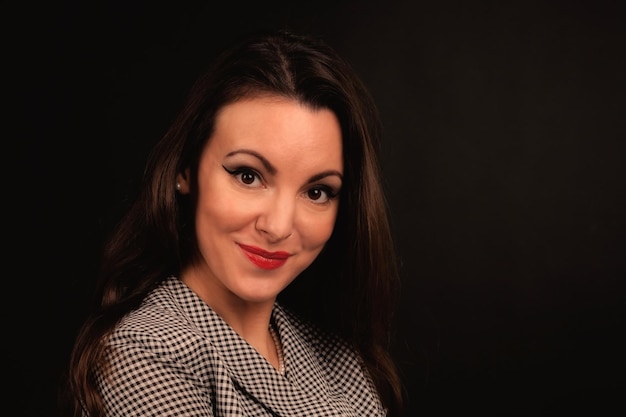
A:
272	170
325	174
266	164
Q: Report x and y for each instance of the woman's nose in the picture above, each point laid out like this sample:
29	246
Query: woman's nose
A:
276	219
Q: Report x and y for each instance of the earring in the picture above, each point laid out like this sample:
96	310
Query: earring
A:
178	186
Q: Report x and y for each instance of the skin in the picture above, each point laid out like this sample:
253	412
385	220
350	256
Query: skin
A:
269	177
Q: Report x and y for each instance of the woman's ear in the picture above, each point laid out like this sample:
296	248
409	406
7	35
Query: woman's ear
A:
182	182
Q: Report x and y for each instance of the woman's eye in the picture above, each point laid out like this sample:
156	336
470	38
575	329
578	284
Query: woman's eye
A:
246	176
319	195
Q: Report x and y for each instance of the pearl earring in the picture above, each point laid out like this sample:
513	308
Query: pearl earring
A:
178	186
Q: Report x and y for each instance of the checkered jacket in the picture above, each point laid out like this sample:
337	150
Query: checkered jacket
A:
174	356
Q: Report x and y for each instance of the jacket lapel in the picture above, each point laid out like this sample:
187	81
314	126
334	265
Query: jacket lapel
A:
303	390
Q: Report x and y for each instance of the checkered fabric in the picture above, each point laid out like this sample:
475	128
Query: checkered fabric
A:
174	356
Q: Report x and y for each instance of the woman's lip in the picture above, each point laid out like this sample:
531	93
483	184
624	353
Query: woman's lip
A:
264	259
279	255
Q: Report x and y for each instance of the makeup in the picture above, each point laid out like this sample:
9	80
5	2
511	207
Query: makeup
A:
264	259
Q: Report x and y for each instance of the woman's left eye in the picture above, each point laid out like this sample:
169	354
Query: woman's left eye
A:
320	195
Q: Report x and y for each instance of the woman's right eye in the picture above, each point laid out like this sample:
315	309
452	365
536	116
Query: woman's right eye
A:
246	176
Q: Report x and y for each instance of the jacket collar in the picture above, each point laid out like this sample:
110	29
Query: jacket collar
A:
303	390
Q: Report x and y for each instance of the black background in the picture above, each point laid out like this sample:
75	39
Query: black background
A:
504	160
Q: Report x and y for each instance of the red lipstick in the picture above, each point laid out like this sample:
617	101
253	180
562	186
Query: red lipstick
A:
264	259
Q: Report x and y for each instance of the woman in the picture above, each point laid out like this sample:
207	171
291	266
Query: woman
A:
254	274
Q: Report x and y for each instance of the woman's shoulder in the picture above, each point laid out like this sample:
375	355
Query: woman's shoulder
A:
167	316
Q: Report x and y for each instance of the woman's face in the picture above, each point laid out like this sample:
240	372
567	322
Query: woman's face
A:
268	194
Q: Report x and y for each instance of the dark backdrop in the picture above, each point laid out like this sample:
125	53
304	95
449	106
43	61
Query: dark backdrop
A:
504	162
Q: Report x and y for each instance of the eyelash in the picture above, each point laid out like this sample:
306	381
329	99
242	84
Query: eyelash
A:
330	194
237	172
243	170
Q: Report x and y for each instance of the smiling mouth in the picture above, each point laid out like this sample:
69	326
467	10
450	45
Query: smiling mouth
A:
264	259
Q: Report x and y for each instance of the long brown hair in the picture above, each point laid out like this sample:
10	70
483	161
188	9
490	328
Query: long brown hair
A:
353	282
